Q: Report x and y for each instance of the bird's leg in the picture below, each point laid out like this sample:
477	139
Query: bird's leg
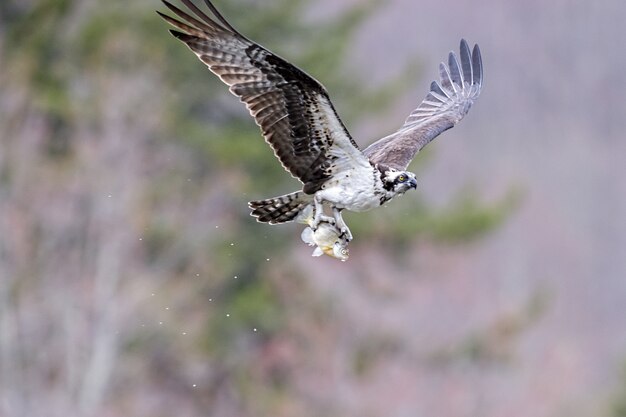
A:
318	215
341	225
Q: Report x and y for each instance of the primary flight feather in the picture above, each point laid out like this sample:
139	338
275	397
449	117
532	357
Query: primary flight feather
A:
299	122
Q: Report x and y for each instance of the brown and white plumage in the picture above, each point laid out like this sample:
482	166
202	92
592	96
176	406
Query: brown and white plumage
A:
292	109
299	122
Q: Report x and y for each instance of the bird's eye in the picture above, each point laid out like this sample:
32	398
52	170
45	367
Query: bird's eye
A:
402	178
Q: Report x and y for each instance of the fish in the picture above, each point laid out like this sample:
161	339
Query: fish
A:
326	238
327	241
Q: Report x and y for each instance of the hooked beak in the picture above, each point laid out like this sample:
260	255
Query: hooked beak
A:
413	183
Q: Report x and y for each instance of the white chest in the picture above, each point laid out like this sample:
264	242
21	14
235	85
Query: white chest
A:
354	190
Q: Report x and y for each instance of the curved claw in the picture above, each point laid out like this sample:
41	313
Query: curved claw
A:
345	234
318	213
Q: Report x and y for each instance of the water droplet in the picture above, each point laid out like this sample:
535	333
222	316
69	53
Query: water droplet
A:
232	244
194	385
184	333
160	322
167	308
267	259
227	315
254	329
235	277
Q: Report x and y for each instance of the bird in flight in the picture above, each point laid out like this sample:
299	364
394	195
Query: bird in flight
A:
299	122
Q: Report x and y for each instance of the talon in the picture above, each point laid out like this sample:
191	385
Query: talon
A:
345	234
318	213
329	220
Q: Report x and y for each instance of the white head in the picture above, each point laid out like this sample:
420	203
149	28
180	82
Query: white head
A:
398	182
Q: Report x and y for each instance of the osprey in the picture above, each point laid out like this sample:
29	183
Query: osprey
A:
299	122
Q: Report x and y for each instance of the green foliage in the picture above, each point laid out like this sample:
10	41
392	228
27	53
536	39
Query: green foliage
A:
468	218
495	344
619	404
158	239
247	303
463	219
33	46
371	351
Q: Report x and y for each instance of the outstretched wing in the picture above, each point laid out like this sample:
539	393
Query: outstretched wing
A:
292	109
445	105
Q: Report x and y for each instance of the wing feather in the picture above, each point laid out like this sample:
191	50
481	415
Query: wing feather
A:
292	109
435	89
455	70
466	63
447	102
477	65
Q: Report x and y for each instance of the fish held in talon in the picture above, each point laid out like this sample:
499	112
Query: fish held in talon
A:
327	240
327	237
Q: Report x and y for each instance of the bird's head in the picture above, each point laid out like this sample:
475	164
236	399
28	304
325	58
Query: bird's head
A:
398	182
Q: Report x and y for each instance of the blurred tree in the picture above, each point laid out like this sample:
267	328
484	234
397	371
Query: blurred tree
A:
124	171
619	404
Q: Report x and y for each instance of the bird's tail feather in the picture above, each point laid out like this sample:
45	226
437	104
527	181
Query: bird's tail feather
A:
282	209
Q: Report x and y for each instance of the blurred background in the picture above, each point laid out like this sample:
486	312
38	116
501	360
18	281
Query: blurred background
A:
134	283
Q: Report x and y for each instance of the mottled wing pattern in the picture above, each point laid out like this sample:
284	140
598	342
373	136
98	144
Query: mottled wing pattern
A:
445	105
292	109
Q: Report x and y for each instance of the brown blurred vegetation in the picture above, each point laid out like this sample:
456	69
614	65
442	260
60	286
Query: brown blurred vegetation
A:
133	281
